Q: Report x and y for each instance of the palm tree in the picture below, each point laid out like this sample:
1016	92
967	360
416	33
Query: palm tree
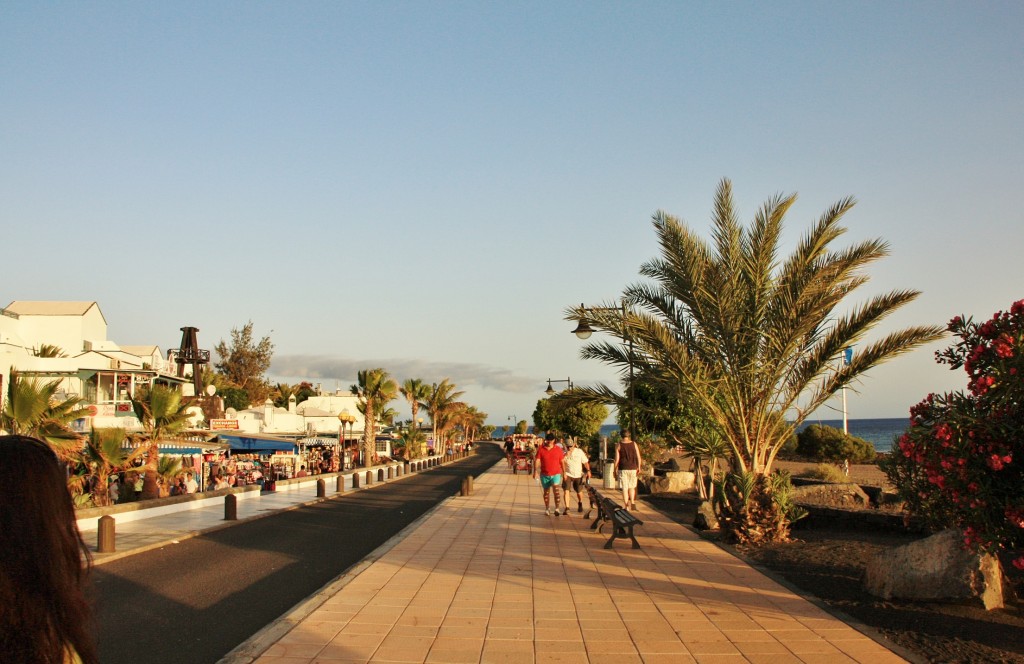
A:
49	350
375	389
168	468
412	440
161	413
470	420
283	391
105	454
439	404
747	341
34	409
415	392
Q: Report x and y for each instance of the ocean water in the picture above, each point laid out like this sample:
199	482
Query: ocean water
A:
877	431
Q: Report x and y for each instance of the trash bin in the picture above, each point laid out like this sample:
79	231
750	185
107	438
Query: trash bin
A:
609	474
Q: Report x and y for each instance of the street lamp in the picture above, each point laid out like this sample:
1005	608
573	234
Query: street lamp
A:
847	358
515	422
584	330
346	419
551	390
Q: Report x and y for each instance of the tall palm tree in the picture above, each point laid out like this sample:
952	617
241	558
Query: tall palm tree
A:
415	392
439	404
746	339
374	390
162	414
34	409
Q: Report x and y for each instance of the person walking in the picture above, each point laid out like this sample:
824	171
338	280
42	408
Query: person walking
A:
548	467
627	466
575	464
44	614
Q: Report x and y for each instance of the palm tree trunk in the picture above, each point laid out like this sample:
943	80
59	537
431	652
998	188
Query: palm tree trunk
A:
150	486
369	439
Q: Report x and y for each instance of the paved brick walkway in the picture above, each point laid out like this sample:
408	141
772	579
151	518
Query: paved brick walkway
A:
490	578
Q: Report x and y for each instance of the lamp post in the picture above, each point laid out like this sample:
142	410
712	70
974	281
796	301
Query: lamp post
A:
583	331
550	391
847	358
346	419
515	423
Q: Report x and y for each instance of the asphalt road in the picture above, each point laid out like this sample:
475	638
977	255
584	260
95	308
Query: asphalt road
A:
195	601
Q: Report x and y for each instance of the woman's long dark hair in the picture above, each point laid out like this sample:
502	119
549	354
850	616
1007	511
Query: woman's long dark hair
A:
43	560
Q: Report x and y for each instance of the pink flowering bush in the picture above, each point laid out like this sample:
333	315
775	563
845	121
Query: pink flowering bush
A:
961	462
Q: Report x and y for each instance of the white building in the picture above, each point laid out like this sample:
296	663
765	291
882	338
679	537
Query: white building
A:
92	367
106	375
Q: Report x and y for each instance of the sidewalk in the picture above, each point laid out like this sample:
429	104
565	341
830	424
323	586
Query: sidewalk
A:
490	578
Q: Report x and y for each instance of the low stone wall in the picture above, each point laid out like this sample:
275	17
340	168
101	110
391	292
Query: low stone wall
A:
143	509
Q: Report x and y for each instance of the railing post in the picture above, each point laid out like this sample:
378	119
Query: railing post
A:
105	535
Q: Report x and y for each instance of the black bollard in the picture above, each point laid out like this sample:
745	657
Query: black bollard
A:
230	507
105	535
341	484
321	488
380	474
355	480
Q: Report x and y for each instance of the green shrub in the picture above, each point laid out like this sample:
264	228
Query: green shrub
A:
826	472
825	443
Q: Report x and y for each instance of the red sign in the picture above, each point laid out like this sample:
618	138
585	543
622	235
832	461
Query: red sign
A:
93	410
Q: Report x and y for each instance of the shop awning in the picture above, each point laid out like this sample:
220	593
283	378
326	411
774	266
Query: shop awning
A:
251	442
183	446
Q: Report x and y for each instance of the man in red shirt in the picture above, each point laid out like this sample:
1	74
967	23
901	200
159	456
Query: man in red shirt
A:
548	466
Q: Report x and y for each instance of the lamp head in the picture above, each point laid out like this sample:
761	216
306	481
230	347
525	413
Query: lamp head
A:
583	330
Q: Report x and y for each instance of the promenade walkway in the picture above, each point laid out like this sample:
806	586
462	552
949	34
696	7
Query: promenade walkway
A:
490	578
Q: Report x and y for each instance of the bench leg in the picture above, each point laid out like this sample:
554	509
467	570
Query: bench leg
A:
636	545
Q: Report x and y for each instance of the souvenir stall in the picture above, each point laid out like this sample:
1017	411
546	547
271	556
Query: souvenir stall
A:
321	455
262	457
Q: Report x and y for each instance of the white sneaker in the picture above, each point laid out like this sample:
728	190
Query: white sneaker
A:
547	512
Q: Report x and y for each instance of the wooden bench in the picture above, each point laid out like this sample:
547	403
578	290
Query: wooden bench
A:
622	519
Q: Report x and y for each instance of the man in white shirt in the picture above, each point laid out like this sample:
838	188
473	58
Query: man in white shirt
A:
191	486
575	464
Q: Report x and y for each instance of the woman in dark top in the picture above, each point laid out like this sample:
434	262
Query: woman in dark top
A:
627	467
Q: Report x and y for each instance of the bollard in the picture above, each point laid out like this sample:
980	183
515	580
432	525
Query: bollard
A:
105	535
407	468
355	480
380	474
369	477
341	484
391	472
467	485
321	488
230	507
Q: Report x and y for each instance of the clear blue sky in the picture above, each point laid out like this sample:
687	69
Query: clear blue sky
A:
427	186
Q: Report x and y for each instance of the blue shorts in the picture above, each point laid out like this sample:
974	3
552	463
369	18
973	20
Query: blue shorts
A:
548	481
